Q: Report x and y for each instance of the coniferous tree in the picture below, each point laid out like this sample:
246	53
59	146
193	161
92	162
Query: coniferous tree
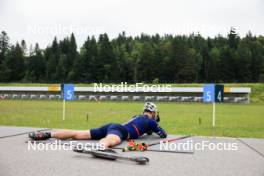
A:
35	66
144	58
106	62
146	63
13	67
4	45
52	56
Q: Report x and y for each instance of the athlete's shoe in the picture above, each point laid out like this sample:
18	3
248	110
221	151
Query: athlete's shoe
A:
39	135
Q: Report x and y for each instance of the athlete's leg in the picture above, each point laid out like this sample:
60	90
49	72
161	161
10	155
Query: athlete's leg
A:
110	140
74	134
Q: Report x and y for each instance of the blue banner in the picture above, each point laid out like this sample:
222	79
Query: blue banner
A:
68	92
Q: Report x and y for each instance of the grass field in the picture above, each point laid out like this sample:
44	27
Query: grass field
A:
235	120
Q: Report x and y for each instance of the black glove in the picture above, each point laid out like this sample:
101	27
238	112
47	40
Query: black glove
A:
162	133
149	133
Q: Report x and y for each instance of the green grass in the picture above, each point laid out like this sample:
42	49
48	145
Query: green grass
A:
234	120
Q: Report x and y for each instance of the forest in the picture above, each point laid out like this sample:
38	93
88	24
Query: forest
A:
144	58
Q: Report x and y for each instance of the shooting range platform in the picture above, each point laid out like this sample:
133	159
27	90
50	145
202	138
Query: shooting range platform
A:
16	159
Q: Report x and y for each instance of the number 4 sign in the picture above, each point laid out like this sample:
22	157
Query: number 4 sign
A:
211	94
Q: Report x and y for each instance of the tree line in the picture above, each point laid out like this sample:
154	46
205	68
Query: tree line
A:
144	58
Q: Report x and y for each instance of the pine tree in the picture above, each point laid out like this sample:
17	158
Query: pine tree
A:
35	66
106	62
24	47
148	58
13	68
177	57
146	63
88	60
71	55
52	56
4	45
243	62
213	66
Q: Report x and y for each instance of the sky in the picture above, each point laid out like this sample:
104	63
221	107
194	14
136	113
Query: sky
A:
41	20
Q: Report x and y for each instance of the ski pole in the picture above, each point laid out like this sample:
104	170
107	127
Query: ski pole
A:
169	140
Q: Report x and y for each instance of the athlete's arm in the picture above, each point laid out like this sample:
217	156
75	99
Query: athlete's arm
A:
157	129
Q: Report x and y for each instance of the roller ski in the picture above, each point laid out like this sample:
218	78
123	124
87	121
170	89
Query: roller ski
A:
110	154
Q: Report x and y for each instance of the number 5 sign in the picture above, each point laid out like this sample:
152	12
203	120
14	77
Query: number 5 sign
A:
213	93
68	94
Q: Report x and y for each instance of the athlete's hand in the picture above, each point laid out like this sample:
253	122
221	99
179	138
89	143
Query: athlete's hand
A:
149	133
162	133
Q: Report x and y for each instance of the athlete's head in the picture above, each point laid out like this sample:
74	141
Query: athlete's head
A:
151	109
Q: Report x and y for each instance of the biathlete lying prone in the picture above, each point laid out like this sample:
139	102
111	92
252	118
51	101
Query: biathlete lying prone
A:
113	134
